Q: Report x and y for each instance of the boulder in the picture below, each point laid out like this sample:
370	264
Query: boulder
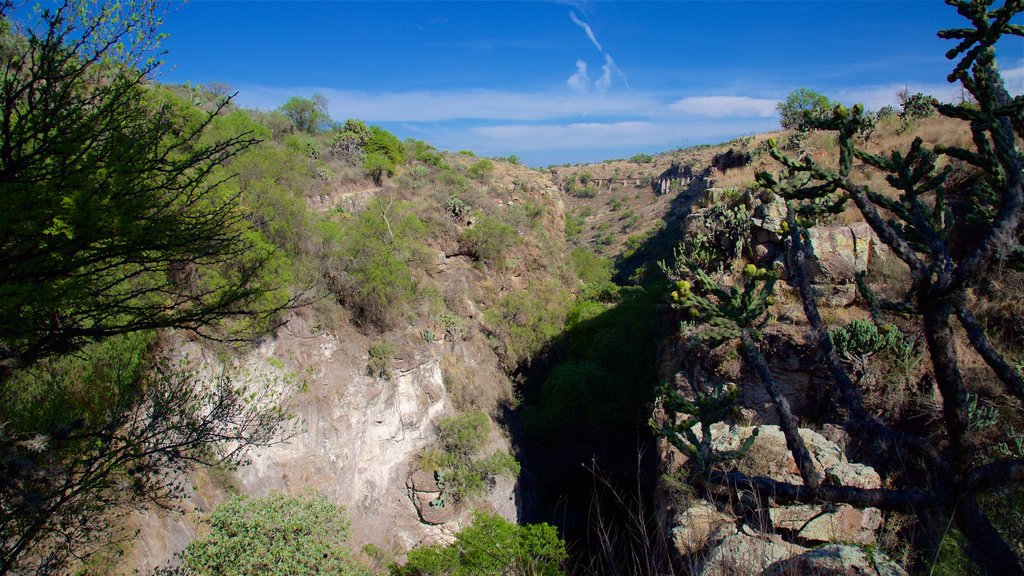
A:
745	554
843	523
769	456
839	252
426	496
837	560
769	212
700	525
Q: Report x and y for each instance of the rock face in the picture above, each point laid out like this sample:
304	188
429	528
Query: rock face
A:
702	524
358	441
839	252
837	560
815	524
699	525
747	554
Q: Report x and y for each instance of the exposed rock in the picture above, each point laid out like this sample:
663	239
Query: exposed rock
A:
712	197
427	498
812	523
837	560
700	525
853	474
747	555
839	252
767	219
835	295
769	456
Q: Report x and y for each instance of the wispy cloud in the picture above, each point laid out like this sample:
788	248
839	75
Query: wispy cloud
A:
636	134
609	69
579	81
875	96
1014	79
587	29
471	104
725	107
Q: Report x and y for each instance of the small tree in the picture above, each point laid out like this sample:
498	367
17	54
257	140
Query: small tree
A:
309	115
800	106
118	201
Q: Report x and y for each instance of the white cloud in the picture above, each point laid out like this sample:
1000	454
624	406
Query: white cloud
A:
640	134
587	29
579	81
1014	79
471	104
725	106
608	69
874	97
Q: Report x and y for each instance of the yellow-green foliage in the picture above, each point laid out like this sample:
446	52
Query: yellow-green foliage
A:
490	240
491	546
378	248
525	320
275	535
456	460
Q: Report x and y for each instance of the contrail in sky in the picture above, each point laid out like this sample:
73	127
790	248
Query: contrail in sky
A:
586	28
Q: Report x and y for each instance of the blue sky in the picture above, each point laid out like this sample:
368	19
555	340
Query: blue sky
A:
561	82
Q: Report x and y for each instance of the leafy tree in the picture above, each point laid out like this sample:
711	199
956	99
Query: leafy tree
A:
915	106
309	115
118	200
123	223
377	249
490	546
946	256
800	106
482	169
277	535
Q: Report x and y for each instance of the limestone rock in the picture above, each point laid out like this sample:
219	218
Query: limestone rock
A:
699	525
747	555
842	524
839	252
769	455
837	560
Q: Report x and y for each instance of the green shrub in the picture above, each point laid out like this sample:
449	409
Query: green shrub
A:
275	535
378	166
461	471
377	252
490	546
481	170
380	355
524	320
490	240
464	434
800	105
642	158
915	106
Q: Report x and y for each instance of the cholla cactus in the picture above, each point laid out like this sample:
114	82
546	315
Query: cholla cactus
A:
725	310
683	415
